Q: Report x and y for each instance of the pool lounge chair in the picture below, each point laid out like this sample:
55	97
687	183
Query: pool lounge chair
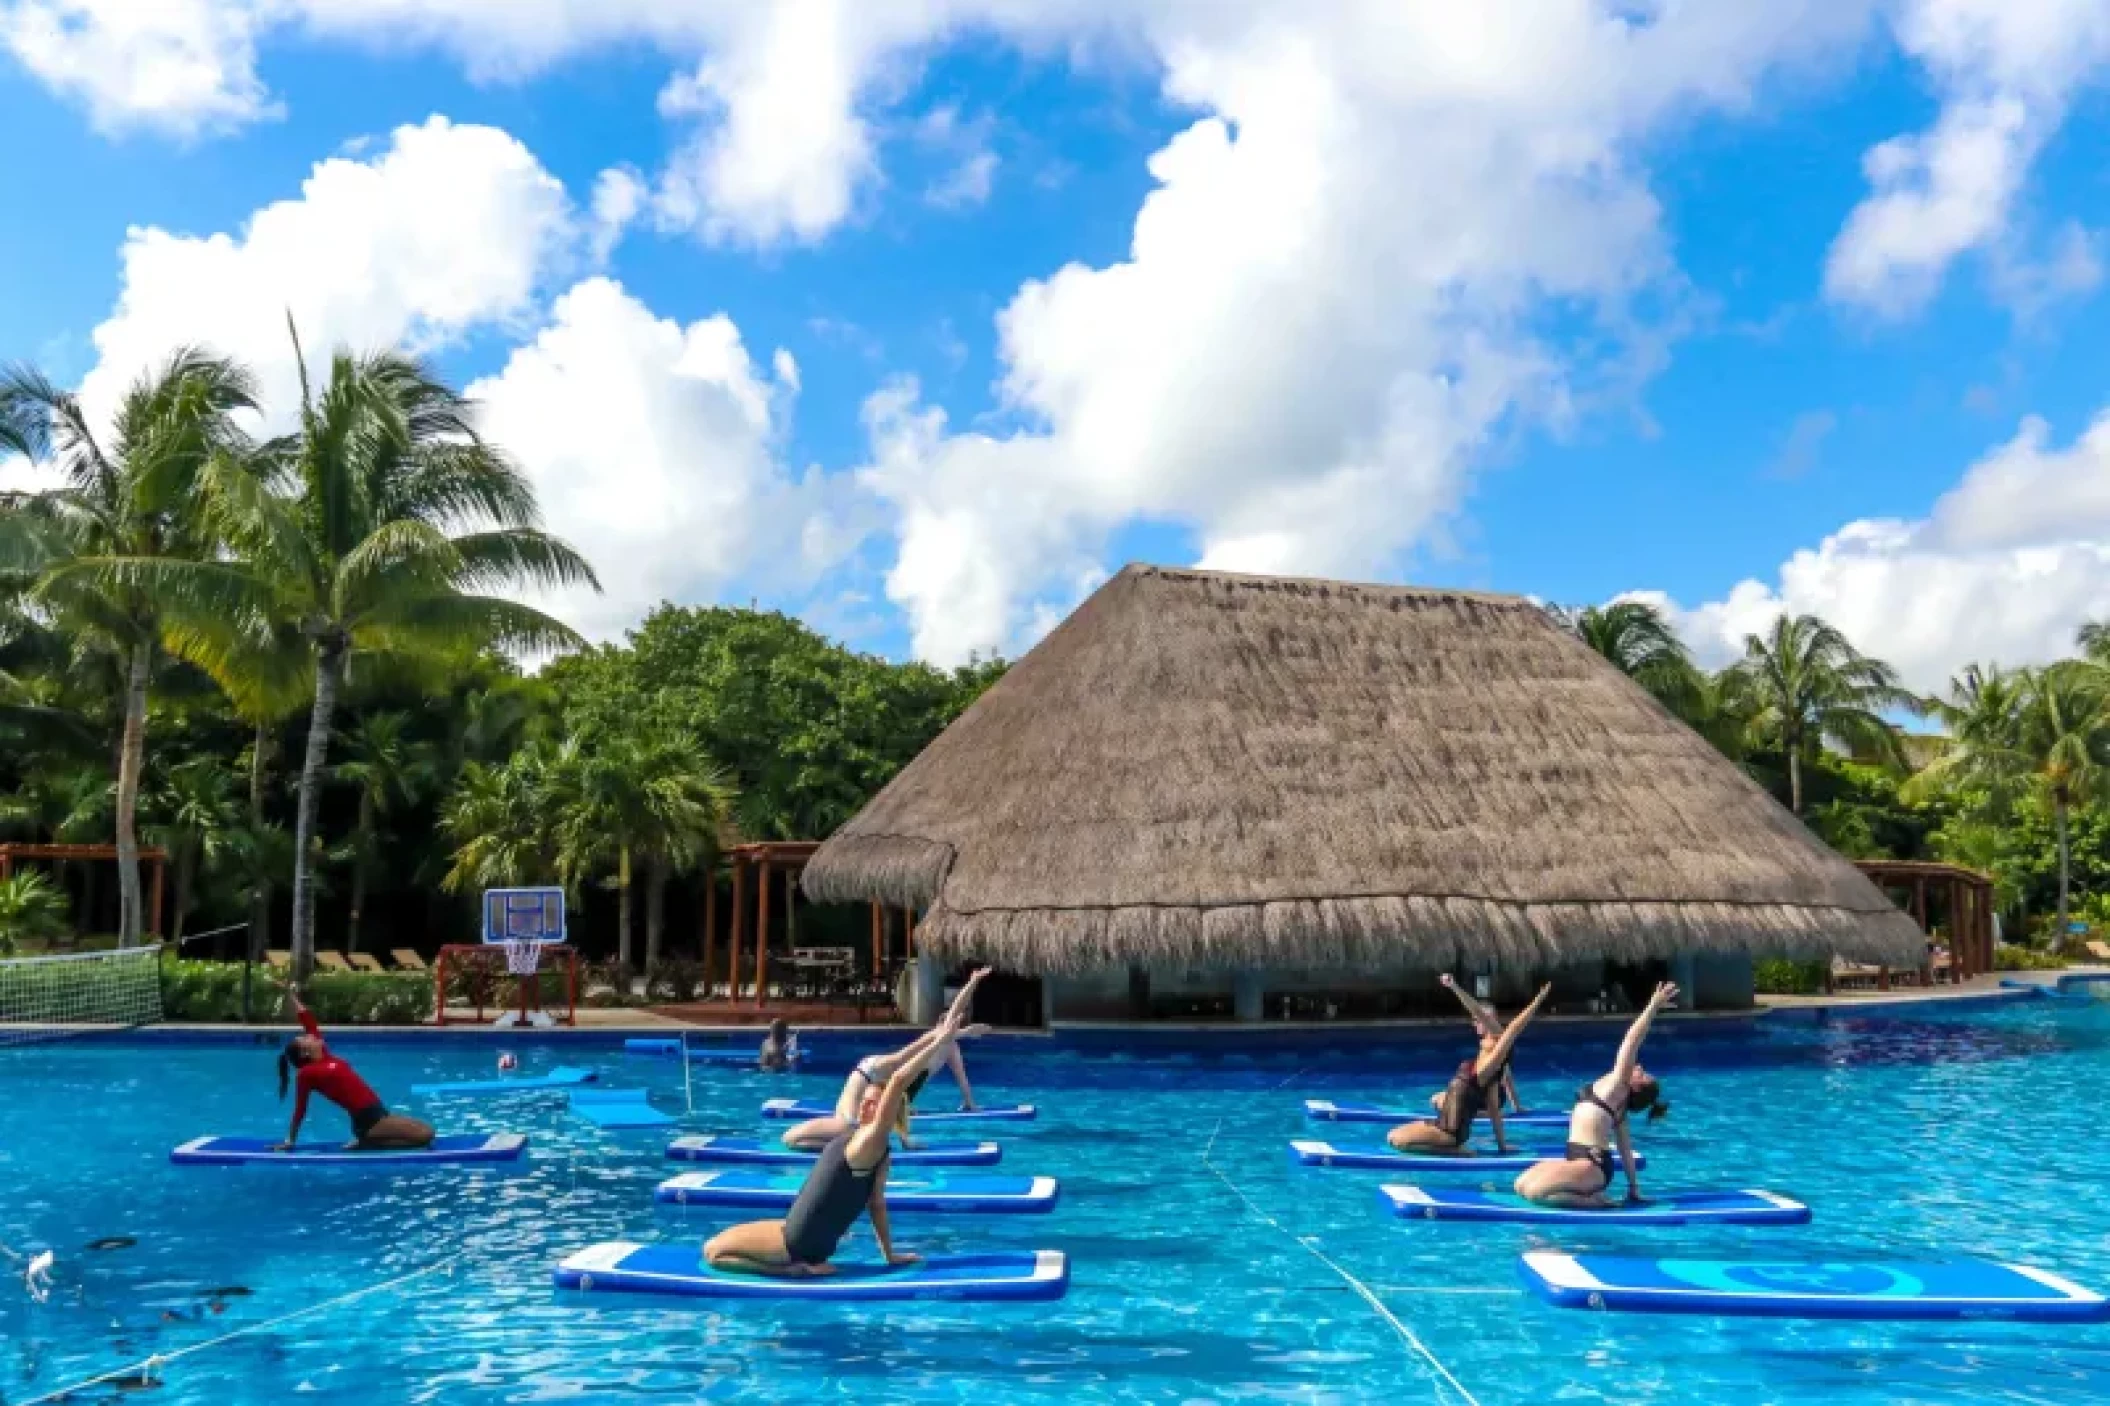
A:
407	960
331	962
2098	950
1846	974
365	962
279	960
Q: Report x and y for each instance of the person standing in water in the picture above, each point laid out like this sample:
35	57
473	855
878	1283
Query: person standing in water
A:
848	1179
1474	1089
312	1069
1583	1175
780	1050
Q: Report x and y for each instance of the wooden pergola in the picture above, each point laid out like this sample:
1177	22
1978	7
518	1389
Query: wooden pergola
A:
11	851
758	866
1968	897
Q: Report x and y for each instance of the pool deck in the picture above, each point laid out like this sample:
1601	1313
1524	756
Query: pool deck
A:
1999	986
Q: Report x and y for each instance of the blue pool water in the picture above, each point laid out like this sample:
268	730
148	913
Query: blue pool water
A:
1191	1234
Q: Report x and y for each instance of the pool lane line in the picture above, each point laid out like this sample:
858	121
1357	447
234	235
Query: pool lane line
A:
1362	1290
157	1361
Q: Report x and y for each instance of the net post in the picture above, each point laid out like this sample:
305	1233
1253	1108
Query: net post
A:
688	1090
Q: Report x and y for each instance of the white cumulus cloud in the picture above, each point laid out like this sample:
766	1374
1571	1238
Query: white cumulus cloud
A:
2004	569
447	229
654	449
2007	72
1335	297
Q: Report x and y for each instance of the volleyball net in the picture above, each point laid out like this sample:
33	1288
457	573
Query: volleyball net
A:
80	993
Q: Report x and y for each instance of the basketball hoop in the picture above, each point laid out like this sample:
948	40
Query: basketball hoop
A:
524	926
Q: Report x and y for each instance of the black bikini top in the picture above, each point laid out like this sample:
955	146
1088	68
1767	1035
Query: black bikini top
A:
1588	1094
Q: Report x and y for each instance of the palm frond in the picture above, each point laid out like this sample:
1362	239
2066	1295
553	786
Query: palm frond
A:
520	557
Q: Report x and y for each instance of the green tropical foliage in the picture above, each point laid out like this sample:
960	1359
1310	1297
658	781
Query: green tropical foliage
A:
125	494
1802	684
31	910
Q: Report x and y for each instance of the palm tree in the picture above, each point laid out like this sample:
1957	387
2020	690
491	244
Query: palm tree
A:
369	555
388	767
1640	643
2043	735
134	502
199	820
497	819
1802	684
633	802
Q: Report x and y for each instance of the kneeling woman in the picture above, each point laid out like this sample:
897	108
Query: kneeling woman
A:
1474	1089
1581	1178
374	1128
847	1181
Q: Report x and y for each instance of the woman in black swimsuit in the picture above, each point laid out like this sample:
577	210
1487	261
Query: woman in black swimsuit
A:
1474	1089
1581	1177
848	1179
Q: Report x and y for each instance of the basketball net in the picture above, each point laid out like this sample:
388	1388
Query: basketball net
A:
523	963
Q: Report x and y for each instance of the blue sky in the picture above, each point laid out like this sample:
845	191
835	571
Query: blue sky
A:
1754	306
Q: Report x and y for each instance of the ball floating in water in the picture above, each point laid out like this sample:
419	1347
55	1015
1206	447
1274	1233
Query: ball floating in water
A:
507	1063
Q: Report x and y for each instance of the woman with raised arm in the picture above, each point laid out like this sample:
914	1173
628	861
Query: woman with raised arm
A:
848	1179
872	1072
1582	1177
1474	1089
1488	1021
374	1128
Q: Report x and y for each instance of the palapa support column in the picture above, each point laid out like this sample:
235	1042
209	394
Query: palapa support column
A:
710	929
878	941
1248	997
762	931
732	985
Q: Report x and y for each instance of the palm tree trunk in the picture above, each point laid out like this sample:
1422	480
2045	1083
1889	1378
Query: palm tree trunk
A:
622	909
129	762
186	866
2058	811
329	671
1795	778
655	911
260	896
365	837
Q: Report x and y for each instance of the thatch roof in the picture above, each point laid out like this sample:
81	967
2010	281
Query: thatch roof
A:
1202	769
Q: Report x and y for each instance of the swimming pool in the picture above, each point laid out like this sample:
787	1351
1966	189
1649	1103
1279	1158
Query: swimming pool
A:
1190	1233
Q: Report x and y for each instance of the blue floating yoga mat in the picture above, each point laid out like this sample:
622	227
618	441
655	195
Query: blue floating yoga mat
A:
561	1078
1675	1208
1312	1153
1965	1288
679	1269
1326	1110
711	1148
799	1110
617	1108
705	1054
446	1151
939	1191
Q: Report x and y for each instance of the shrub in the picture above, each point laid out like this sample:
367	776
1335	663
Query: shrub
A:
674	981
370	998
2009	958
1781	978
32	909
212	991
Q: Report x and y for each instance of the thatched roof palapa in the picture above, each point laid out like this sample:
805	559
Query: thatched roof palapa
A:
1201	769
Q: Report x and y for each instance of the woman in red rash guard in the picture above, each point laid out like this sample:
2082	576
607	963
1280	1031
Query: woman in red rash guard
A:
373	1126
